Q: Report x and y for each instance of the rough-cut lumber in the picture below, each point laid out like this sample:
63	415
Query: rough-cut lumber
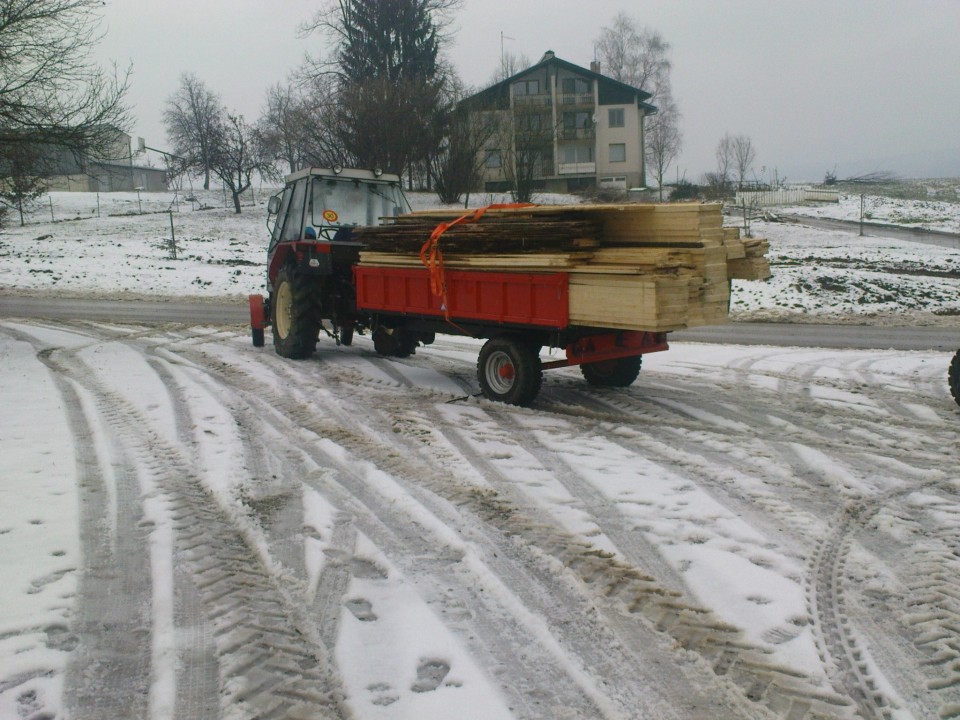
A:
635	267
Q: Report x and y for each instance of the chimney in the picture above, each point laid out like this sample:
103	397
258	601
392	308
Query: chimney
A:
548	55
595	66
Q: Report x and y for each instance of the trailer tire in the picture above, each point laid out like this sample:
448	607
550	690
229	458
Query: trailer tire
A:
613	373
346	335
295	315
953	377
509	370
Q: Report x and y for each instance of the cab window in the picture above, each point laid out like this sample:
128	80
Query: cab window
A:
293	217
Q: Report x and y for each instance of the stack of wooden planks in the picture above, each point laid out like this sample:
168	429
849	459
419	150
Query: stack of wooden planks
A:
634	267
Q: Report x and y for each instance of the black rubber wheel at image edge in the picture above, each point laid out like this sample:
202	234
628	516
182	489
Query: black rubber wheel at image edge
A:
953	377
295	311
613	373
509	370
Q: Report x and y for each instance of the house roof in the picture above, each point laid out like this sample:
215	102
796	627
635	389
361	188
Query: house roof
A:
614	90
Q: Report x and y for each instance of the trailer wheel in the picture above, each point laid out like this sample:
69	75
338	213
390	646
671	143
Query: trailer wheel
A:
295	318
953	376
509	370
613	373
346	335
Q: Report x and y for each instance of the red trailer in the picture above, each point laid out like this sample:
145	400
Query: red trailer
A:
314	275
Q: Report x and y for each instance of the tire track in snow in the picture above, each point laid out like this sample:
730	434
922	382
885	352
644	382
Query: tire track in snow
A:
783	688
268	667
112	607
538	682
852	667
855	676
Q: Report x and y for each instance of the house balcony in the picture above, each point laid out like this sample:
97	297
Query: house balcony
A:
584	168
579	99
578	133
531	101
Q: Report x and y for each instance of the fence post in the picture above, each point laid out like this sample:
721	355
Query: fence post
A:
861	214
50	198
173	239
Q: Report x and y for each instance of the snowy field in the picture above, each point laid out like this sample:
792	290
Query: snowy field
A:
196	528
931	214
216	255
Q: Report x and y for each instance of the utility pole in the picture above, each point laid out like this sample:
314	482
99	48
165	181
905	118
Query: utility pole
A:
502	38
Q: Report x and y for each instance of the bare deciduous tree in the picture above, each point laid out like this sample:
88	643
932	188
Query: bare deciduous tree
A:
281	126
662	140
724	156
237	153
743	156
193	120
637	56
456	167
317	120
53	101
640	57
525	143
510	65
25	169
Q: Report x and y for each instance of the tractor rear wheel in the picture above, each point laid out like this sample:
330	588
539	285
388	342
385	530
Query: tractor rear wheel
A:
613	373
953	376
509	370
296	317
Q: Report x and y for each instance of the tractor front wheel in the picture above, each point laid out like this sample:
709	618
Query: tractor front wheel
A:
613	373
953	376
295	315
509	370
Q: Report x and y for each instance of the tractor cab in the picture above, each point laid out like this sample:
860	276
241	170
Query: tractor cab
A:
312	255
319	203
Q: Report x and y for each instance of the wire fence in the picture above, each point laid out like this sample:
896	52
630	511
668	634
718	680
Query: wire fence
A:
62	206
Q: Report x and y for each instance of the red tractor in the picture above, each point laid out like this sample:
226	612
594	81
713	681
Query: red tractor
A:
317	283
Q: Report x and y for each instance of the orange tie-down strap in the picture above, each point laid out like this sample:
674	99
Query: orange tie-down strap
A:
432	256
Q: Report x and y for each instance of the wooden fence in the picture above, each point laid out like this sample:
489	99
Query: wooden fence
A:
795	196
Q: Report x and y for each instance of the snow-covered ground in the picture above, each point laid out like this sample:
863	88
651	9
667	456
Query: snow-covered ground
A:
192	527
214	254
933	214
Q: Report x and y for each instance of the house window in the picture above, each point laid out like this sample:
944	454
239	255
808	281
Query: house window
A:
577	120
615	117
577	154
575	86
618	152
526	87
493	159
530	123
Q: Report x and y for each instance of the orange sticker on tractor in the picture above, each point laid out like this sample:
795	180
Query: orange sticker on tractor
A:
330	216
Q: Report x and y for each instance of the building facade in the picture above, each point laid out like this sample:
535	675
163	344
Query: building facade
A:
561	128
114	172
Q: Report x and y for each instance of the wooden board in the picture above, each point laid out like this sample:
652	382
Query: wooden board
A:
636	267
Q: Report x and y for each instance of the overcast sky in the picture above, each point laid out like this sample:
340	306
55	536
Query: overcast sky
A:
856	85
